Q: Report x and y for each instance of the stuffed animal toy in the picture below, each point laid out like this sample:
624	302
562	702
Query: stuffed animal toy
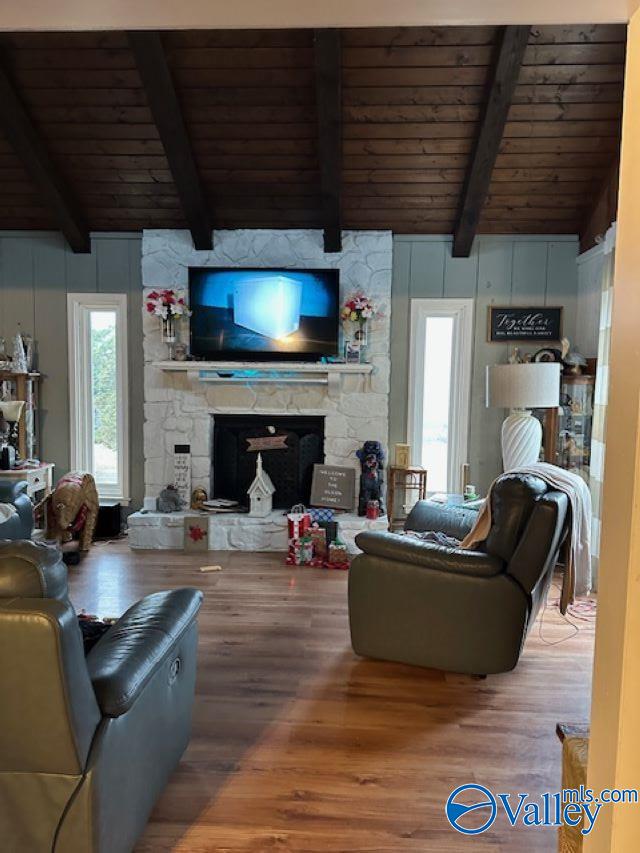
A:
169	500
73	509
371	456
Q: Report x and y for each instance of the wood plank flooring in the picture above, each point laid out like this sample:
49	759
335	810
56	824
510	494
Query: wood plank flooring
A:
298	745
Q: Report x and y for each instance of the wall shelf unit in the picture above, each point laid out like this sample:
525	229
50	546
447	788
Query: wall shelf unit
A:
24	386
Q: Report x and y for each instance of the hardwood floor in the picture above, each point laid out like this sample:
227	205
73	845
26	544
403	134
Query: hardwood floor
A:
298	745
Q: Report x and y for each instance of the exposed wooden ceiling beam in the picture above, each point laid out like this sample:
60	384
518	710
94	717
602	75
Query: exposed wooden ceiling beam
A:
28	145
506	69
165	107
328	78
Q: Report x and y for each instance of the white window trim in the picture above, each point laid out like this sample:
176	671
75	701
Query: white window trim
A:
78	307
461	310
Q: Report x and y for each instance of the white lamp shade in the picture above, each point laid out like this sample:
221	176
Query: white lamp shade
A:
534	385
11	410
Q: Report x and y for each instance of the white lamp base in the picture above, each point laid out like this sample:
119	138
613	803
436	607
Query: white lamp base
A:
521	440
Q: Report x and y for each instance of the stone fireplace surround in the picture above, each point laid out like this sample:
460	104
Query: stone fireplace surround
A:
178	407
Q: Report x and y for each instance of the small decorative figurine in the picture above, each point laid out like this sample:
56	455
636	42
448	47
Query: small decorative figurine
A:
198	497
19	361
402	455
371	456
260	492
27	343
169	500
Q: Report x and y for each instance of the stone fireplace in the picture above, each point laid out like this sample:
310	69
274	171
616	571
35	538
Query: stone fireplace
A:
182	406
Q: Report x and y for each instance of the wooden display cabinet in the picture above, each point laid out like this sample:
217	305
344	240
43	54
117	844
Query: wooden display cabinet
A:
567	430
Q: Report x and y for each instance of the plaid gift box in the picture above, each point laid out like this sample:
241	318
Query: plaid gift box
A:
320	514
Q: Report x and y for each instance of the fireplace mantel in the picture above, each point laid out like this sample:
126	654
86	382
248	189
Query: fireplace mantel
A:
271	373
263	366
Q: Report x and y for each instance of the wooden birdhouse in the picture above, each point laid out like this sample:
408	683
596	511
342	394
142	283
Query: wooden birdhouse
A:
260	492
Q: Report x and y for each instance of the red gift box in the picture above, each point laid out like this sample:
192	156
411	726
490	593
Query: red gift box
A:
298	522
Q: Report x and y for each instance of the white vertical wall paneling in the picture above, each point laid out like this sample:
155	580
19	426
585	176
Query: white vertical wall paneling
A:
590	270
49	270
495	271
17	286
399	350
562	283
529	273
460	274
427	269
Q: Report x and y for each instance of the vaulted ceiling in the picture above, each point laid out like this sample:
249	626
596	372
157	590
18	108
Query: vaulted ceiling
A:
377	128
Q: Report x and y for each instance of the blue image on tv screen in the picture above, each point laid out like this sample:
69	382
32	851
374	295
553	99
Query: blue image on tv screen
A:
263	313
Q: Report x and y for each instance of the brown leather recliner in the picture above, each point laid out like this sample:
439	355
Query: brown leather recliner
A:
86	744
452	609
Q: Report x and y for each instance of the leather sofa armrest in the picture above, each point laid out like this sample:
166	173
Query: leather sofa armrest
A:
16	493
405	549
11	490
125	658
455	521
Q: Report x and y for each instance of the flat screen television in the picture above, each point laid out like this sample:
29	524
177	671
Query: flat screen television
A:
263	314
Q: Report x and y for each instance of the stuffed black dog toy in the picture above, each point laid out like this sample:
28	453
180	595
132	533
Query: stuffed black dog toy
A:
371	456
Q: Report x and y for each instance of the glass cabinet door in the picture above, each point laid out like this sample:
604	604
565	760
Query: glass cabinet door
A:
575	417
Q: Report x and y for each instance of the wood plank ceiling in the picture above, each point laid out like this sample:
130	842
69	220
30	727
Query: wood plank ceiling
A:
412	102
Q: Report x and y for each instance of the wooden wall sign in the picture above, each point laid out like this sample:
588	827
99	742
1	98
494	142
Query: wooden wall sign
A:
519	324
333	486
267	442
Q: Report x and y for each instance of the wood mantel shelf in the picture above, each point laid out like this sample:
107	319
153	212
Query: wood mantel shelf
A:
264	366
276	372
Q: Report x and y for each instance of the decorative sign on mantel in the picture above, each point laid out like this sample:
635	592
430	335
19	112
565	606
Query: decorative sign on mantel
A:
333	486
519	324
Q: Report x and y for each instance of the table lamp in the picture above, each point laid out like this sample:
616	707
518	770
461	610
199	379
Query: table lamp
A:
519	387
11	411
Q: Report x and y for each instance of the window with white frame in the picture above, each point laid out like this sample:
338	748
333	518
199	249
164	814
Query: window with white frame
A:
98	395
439	388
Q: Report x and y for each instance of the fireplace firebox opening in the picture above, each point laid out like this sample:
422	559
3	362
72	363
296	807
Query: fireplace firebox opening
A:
290	446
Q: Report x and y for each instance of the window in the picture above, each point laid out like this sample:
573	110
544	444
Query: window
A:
98	390
439	388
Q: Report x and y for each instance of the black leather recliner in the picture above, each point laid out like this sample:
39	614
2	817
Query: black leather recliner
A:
86	744
453	609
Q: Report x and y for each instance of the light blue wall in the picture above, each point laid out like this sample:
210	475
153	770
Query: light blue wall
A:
526	270
37	270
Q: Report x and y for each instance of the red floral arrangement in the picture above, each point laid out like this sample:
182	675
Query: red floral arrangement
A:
166	304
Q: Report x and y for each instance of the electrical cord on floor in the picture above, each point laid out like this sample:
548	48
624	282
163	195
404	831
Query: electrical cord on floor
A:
112	541
585	612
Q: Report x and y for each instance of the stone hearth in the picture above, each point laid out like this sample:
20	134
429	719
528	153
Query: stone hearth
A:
179	408
234	531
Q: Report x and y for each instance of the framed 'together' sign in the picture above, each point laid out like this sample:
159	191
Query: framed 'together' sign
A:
517	323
